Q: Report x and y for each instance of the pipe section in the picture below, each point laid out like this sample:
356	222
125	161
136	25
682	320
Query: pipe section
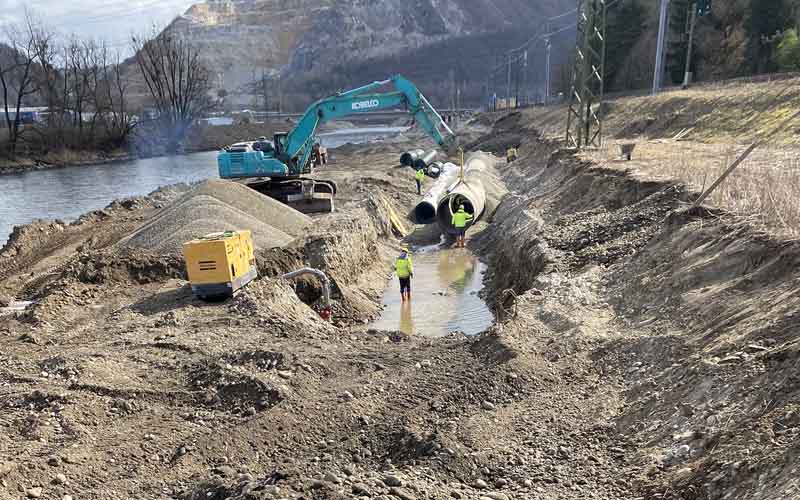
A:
326	287
407	159
468	192
426	159
425	211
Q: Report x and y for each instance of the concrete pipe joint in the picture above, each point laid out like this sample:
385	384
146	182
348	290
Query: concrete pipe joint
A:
407	159
467	192
426	159
425	211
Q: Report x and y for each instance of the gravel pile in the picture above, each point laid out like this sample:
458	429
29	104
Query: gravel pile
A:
262	207
219	206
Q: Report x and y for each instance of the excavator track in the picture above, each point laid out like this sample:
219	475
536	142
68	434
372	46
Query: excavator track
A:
304	194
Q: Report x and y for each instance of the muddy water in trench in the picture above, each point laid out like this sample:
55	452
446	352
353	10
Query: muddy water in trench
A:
444	296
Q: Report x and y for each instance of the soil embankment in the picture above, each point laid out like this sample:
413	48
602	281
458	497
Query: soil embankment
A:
641	351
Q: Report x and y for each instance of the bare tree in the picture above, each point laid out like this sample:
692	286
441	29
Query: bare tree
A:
178	81
111	98
18	80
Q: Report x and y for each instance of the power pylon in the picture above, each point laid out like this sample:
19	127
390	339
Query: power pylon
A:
584	127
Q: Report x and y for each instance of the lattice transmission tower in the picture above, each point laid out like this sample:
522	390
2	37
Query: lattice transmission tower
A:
584	126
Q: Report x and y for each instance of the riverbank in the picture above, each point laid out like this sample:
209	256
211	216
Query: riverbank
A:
202	139
142	146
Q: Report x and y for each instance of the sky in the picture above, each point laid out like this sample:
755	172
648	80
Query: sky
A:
111	20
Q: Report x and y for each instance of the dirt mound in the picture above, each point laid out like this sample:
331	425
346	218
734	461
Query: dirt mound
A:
506	133
130	264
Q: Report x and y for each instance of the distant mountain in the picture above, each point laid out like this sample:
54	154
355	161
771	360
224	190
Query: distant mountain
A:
319	46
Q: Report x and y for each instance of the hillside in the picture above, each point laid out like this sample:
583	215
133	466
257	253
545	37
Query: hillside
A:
734	38
317	41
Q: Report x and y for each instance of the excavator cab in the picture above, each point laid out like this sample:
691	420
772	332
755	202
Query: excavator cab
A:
279	138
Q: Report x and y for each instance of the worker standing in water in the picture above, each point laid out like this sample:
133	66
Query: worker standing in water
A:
460	220
405	271
419	177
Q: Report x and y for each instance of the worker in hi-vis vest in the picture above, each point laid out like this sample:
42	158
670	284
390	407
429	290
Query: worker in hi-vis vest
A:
459	221
405	270
419	177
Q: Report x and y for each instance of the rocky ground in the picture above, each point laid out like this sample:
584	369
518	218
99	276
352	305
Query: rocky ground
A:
641	351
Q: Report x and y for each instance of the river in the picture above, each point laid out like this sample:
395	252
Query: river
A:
68	192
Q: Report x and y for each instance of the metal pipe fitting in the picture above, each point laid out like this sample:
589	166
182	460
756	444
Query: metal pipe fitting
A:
326	287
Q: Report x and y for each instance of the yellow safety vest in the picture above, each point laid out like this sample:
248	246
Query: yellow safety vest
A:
420	175
460	219
404	267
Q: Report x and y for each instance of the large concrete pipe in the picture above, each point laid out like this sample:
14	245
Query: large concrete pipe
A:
434	169
423	161
468	192
425	211
407	158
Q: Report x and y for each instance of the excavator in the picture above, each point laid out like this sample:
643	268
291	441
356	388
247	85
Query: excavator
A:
278	168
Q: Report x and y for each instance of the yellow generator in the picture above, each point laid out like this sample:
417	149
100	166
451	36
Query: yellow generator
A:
218	264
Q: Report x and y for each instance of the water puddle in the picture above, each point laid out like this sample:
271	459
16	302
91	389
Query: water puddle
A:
444	296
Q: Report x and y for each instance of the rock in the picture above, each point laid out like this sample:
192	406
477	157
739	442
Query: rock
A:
496	495
271	489
402	494
456	494
361	490
486	405
225	471
500	483
34	492
286	374
61	479
7	468
348	396
316	484
66	497
5	300
481	484
527	483
348	471
332	478
392	481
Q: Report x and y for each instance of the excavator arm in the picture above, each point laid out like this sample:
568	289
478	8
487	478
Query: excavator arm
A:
294	149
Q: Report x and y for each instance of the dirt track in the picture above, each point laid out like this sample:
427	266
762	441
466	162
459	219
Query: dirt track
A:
640	352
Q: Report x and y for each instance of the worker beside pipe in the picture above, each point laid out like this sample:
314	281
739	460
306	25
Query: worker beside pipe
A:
419	176
460	220
405	271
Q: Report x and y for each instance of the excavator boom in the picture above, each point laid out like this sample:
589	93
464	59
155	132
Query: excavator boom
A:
289	157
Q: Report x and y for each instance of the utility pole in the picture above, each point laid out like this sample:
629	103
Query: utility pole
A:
508	81
687	75
658	73
526	90
458	104
547	46
584	128
280	94
516	82
265	94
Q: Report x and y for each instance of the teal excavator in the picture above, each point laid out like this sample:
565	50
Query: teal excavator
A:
277	168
